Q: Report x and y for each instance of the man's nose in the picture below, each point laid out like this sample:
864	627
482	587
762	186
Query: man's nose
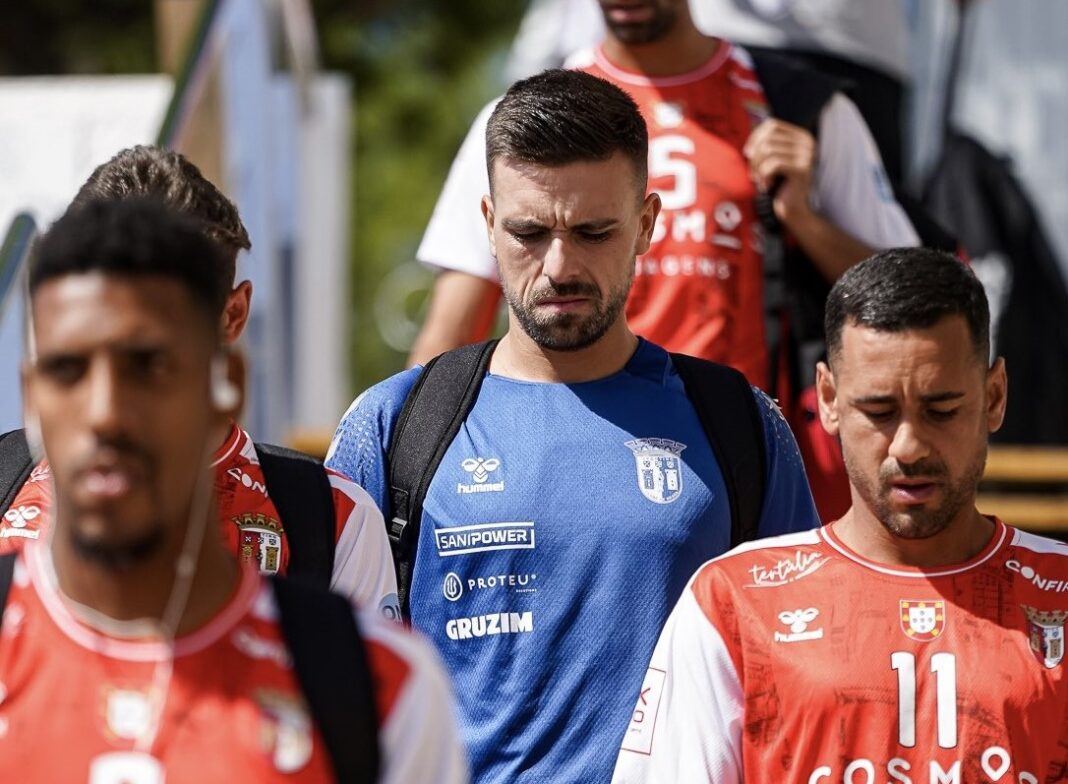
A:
561	260
106	407
908	444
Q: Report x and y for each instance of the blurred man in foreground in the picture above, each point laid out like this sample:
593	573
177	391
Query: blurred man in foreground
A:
914	639
130	635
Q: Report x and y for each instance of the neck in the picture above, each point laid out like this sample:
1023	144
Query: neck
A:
519	357
142	590
683	49
960	541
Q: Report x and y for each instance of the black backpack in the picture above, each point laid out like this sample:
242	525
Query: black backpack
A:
446	391
794	290
297	483
331	666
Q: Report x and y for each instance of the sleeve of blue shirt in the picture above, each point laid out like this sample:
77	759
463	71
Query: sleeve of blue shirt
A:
362	438
788	504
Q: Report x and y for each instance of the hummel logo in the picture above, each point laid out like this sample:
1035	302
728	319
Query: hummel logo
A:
18	519
797	621
480	469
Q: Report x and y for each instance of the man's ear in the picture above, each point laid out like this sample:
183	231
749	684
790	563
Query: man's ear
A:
997	394
827	397
487	213
647	223
236	312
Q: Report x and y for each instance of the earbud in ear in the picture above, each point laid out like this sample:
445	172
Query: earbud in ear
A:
225	396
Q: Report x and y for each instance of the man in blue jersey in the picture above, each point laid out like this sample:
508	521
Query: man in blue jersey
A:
581	491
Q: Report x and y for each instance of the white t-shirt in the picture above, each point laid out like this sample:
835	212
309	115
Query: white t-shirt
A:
869	32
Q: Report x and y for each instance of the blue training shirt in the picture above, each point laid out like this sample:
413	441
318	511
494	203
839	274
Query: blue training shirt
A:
557	534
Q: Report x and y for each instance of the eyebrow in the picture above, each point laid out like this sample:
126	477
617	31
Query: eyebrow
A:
883	400
531	224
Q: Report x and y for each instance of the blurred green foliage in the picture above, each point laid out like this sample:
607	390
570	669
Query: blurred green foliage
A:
421	68
422	71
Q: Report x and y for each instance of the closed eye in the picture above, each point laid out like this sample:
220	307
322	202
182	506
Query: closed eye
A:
63	369
878	415
528	236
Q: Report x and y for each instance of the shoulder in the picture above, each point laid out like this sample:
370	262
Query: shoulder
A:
371	414
763	563
1039	548
342	485
407	672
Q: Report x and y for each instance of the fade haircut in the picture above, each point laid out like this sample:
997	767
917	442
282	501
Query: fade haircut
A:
560	116
907	288
169	177
132	238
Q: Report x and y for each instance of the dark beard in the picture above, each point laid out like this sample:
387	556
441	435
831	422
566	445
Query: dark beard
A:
645	32
921	523
568	332
119	556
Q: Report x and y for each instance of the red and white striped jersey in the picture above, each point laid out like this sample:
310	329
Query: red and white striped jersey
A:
794	659
78	706
251	526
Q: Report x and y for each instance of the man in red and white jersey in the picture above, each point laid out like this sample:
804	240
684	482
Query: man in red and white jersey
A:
251	523
134	647
912	640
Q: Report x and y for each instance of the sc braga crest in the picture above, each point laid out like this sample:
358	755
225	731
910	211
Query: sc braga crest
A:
659	468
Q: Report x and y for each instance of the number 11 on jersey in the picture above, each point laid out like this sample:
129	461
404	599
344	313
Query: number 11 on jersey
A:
944	668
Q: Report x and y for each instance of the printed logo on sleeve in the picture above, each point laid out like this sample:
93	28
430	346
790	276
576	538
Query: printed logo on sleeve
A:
639	737
463	539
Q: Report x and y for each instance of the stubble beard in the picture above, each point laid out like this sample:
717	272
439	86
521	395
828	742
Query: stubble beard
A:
119	556
661	24
568	331
918	522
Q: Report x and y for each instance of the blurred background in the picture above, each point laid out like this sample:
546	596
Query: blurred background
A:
332	124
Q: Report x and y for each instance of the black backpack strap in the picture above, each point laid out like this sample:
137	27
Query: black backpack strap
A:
432	415
7	571
300	490
332	667
797	94
732	423
16	463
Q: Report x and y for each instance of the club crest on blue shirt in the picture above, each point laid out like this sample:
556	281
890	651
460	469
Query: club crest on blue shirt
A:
659	468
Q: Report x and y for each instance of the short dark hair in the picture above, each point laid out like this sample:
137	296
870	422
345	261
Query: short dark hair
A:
168	176
907	288
560	116
131	238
